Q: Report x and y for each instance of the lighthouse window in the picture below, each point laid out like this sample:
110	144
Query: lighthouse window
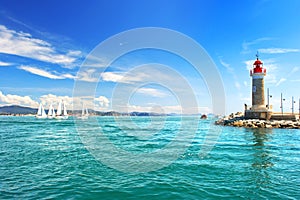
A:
254	88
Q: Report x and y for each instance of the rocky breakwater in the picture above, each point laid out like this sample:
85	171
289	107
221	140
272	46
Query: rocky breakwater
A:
238	120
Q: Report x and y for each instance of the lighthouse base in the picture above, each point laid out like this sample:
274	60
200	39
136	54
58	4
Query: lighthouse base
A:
258	114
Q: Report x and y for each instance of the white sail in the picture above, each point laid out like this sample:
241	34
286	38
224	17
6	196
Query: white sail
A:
41	112
65	109
59	110
84	113
51	112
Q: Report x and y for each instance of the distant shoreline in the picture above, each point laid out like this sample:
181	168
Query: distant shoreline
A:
16	110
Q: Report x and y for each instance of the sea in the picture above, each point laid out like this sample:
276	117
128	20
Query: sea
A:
145	158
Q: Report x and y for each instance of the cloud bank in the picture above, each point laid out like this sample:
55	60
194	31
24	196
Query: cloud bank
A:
25	45
97	103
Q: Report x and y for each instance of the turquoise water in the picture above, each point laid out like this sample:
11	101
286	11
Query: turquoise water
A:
46	159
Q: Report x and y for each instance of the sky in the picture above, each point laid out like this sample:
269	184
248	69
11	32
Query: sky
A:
44	43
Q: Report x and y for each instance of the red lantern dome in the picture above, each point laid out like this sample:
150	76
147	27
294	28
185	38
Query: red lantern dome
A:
257	62
258	67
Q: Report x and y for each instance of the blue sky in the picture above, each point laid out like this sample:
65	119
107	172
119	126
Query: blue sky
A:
43	43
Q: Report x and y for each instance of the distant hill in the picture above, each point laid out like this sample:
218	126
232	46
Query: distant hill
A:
15	110
8	110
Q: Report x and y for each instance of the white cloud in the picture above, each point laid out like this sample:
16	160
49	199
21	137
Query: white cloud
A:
88	75
246	45
74	53
151	91
11	99
227	66
69	76
23	44
277	50
45	73
102	101
280	81
111	76
118	77
54	99
4	64
97	103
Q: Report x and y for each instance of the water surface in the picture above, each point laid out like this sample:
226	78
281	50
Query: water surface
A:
45	159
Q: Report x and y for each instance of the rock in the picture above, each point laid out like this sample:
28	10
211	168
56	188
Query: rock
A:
238	123
276	126
237	120
253	126
268	126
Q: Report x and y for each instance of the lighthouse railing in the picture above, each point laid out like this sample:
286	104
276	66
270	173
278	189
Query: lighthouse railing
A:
261	71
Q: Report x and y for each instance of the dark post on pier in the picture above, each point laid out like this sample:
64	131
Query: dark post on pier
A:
269	96
281	104
293	105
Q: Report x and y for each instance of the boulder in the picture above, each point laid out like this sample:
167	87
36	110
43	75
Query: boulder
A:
268	126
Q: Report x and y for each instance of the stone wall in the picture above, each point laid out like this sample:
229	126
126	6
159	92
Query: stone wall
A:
284	116
249	114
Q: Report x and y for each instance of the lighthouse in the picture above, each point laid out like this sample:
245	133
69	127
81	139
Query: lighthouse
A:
259	109
258	92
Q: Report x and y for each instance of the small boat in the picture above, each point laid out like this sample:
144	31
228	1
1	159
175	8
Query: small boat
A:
203	116
51	112
84	113
61	112
41	114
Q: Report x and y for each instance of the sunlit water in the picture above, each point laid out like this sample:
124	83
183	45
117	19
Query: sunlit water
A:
45	159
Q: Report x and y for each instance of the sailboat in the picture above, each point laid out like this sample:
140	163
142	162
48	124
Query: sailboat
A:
61	112
84	113
41	114
51	112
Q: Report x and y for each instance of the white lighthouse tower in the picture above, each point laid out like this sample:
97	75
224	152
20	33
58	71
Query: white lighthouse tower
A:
259	109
